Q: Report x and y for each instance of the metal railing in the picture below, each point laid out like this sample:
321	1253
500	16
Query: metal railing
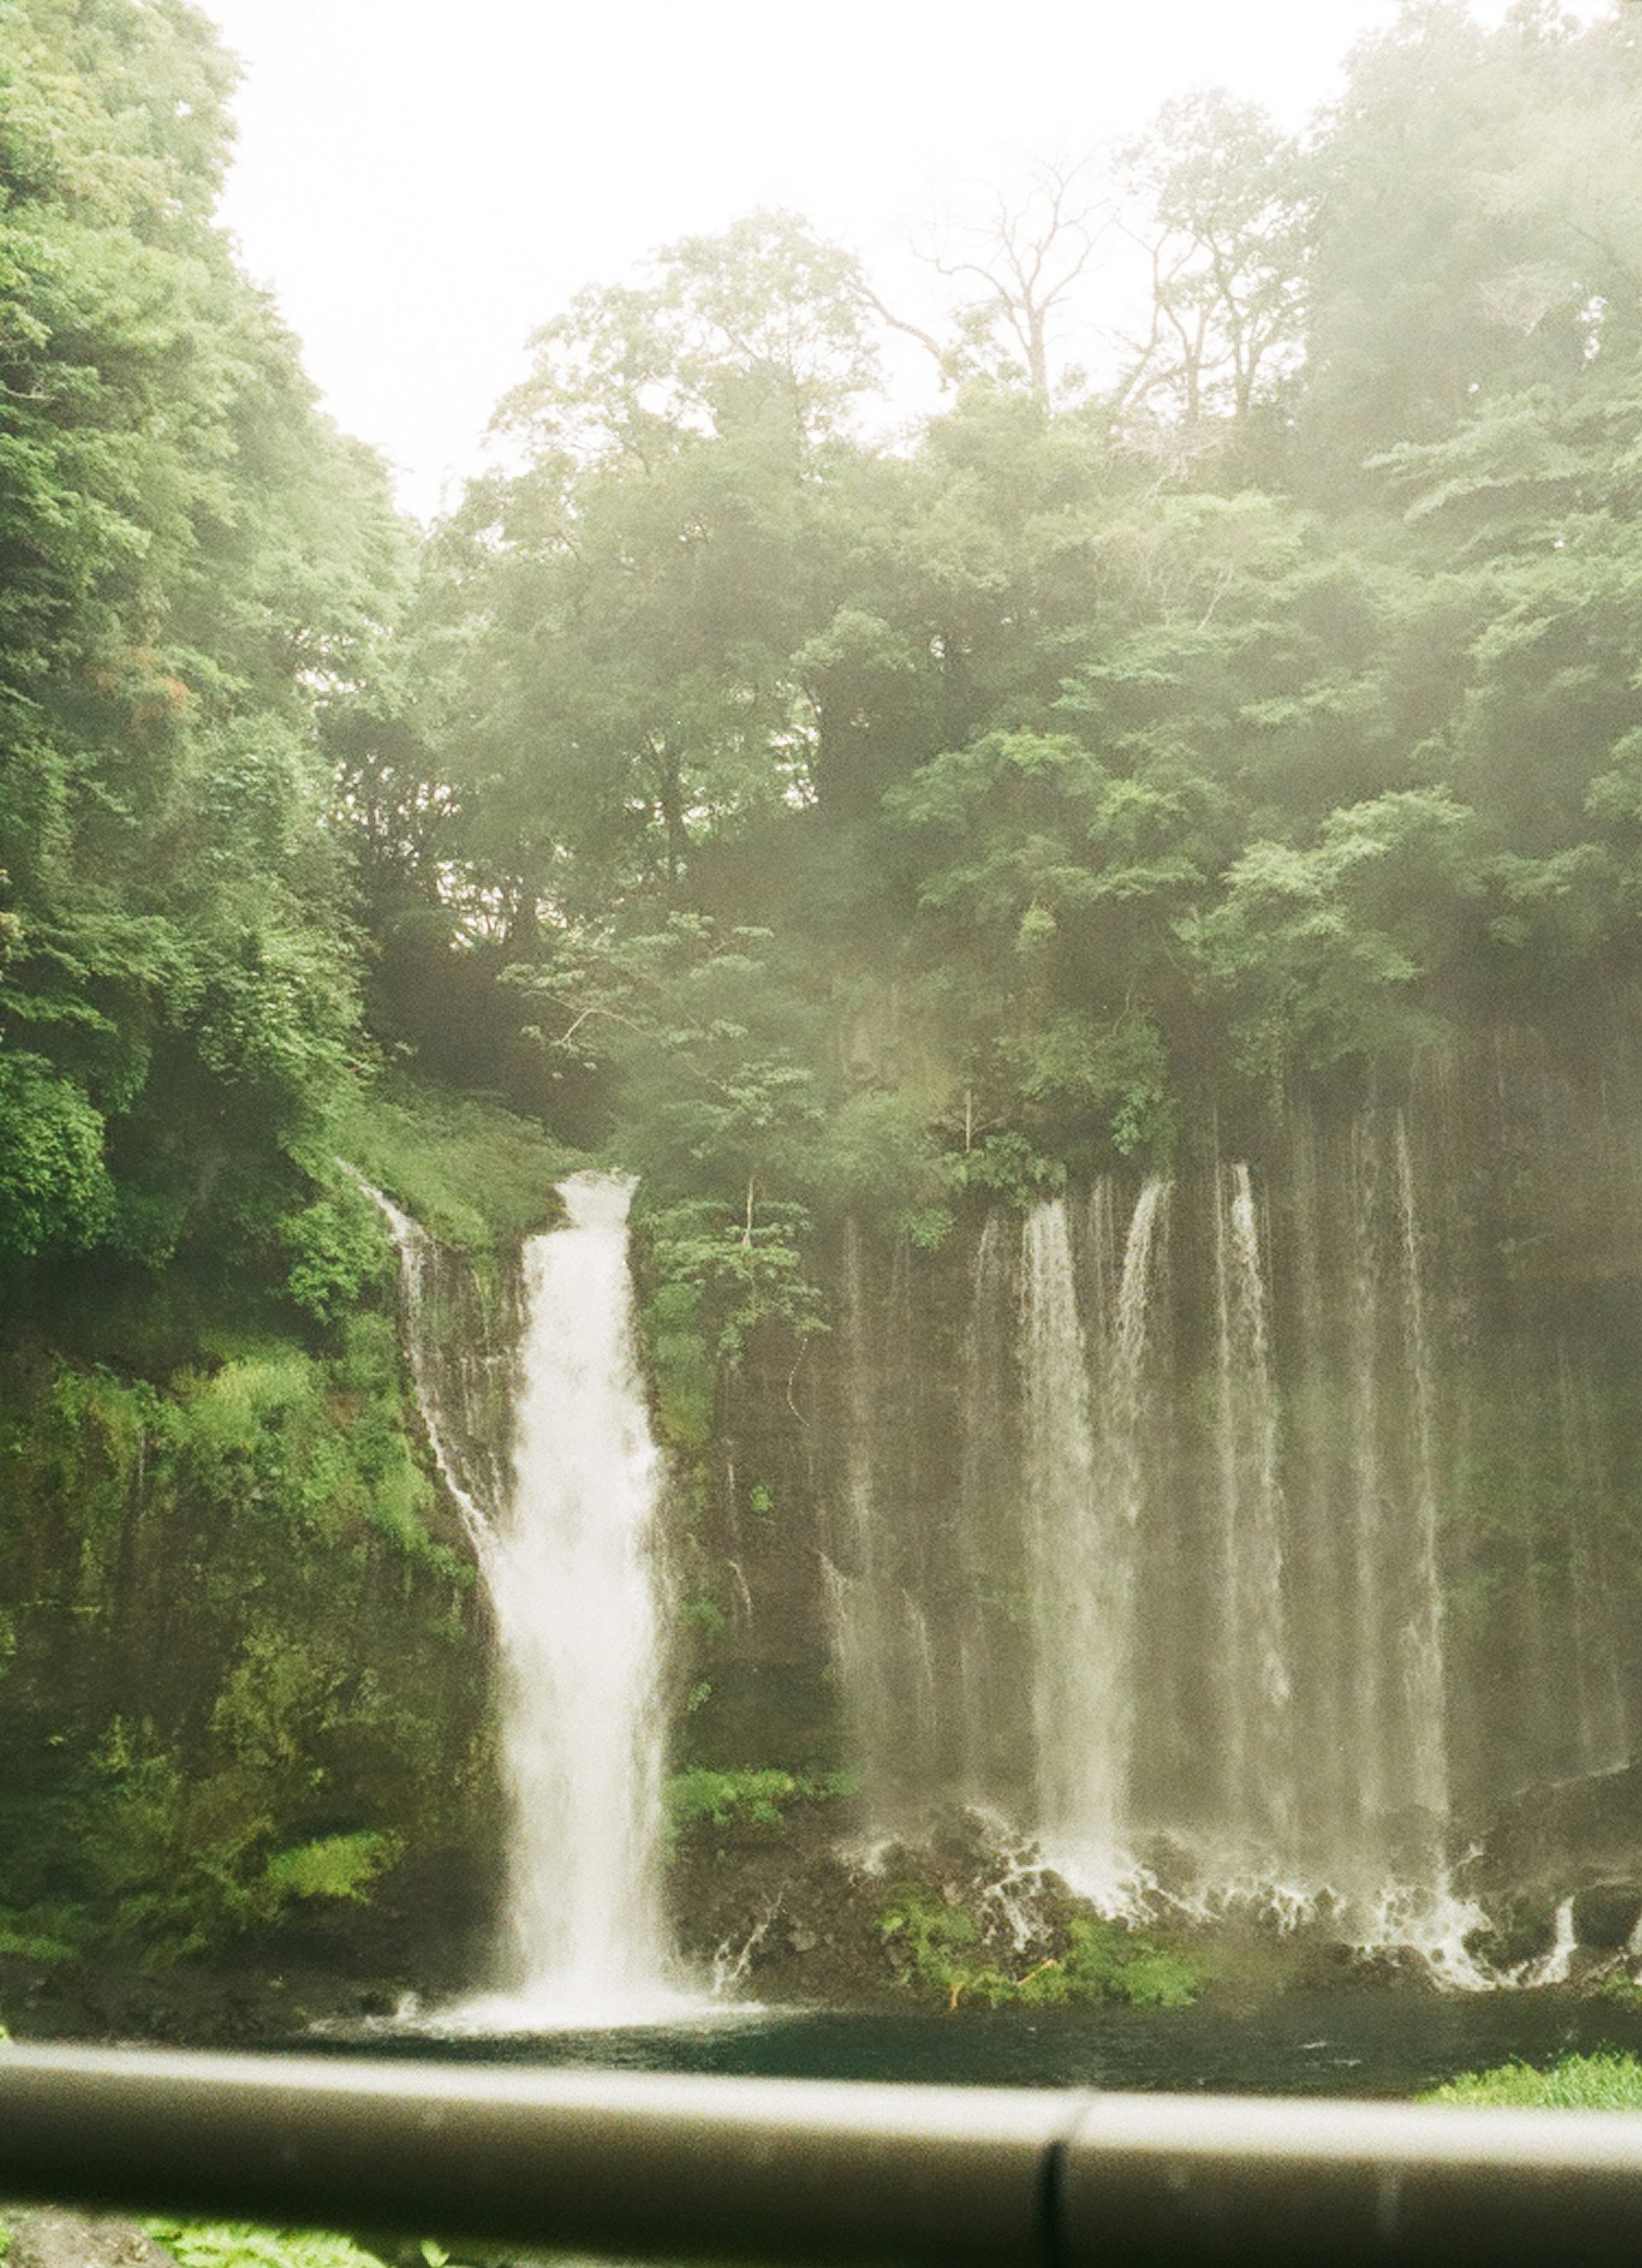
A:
668	2167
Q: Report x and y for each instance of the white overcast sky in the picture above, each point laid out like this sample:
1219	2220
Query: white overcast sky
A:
422	182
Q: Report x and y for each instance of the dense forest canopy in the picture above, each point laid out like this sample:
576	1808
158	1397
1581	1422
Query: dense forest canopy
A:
820	820
839	825
816	823
195	565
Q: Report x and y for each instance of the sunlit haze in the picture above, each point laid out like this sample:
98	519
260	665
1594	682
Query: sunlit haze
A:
422	186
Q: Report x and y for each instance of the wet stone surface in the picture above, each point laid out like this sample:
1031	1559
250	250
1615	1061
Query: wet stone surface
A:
50	2236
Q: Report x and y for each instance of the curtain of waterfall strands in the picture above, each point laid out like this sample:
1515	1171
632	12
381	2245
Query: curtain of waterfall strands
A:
1083	1483
1282	1530
883	1598
1356	1727
1421	1636
1077	1703
991	1665
1256	1736
1597	1742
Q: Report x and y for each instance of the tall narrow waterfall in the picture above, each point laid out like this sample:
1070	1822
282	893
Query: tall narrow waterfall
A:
444	1384
573	1574
867	1636
1255	1735
1077	1689
1421	1635
565	1544
1084	1485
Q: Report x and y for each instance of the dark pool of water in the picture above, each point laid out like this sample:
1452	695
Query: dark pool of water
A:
1384	2043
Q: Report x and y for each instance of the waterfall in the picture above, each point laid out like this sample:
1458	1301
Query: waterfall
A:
567	1552
1085	1485
574	1579
420	1269
1423	1679
1177	1592
1126	1370
1277	1546
872	1620
1367	1499
1603	1741
986	1553
1076	1698
1257	1685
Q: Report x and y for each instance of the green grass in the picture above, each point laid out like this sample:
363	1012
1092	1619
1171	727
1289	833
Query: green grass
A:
705	1797
473	1173
1603	2081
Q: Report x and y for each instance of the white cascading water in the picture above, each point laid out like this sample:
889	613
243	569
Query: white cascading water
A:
1131	1346
1603	1742
1422	1911
1084	1487
1078	1686
574	1578
417	1264
861	1602
1374	1756
986	1502
1422	1633
1257	1684
569	1560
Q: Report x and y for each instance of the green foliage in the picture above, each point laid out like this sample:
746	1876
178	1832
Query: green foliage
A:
937	1941
53	1181
727	1277
293	1733
241	2244
863	828
1606	2081
1323	943
726	1798
1009	1165
336	1253
472	1172
759	1797
681	1363
197	563
34	1949
705	1617
1103	1962
335	1867
934	1943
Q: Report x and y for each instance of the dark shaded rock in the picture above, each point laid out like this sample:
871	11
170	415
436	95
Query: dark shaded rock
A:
1559	1839
191	2005
1605	1914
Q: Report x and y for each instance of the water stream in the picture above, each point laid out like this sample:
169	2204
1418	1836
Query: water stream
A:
575	1585
567	1549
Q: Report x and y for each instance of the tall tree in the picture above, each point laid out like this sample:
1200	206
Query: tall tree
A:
193	562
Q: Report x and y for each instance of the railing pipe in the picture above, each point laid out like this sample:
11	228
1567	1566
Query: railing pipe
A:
670	2167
